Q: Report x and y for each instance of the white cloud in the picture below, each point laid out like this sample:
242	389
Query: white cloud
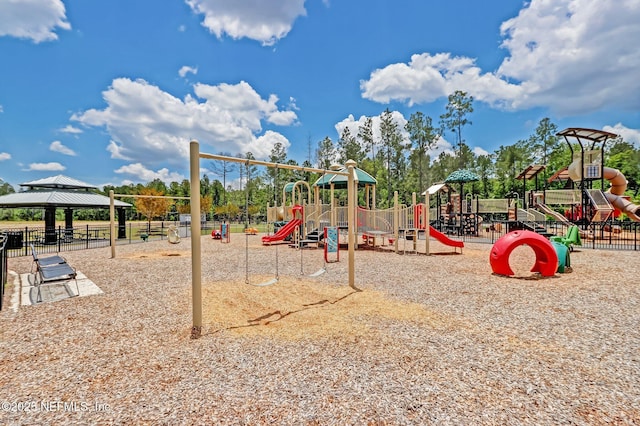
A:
1	109
354	125
572	56
70	129
627	134
182	28
261	147
426	78
441	145
57	146
143	174
152	127
33	19
46	167
263	21
116	151
4	156
480	151
184	70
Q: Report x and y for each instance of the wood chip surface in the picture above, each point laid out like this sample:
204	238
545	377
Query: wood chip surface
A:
433	339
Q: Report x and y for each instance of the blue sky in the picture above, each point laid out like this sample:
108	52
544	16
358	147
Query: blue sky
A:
112	92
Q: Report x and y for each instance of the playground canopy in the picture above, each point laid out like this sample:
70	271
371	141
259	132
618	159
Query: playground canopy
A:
340	181
435	188
462	176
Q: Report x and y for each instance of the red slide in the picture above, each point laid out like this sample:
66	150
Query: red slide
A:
443	238
283	232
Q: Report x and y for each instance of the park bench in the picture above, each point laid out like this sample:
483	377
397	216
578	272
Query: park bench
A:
45	261
52	269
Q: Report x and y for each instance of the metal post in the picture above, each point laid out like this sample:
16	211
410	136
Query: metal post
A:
112	223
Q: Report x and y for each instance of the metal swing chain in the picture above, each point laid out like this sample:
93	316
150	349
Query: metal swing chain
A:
324	256
246	234
275	191
301	260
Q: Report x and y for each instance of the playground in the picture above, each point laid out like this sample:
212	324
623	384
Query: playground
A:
429	339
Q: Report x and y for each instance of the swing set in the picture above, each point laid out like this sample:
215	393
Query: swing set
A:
196	249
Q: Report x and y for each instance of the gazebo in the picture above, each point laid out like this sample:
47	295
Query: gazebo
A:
61	192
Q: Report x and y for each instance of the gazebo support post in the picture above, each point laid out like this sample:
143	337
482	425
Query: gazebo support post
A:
122	226
50	225
68	223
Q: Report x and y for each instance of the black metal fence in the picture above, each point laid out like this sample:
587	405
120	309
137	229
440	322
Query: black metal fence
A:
597	235
3	266
61	239
607	235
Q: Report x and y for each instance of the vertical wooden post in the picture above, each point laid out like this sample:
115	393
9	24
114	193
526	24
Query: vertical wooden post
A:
396	221
427	226
333	205
196	255
351	215
416	221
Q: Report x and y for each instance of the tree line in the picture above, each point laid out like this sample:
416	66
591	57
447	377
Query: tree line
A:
399	158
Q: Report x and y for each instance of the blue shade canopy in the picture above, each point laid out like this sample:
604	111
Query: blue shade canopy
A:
340	181
462	176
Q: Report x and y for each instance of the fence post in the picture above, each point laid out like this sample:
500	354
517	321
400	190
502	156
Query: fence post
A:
3	265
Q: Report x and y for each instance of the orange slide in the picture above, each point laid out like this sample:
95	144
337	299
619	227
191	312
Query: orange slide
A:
283	232
444	239
616	192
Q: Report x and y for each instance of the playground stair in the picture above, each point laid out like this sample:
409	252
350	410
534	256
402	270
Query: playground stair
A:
535	227
315	236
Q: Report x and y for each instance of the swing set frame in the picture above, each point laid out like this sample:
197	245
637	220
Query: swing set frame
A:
196	243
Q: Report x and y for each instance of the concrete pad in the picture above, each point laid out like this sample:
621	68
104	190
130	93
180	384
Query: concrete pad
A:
56	291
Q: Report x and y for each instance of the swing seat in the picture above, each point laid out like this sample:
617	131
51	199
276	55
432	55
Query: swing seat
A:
318	273
266	283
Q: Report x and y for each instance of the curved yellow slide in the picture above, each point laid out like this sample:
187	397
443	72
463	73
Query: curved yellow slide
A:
613	194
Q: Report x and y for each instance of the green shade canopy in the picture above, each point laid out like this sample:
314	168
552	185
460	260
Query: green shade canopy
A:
289	187
462	176
340	181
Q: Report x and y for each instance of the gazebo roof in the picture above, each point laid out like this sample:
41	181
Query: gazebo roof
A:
340	181
58	191
59	181
57	198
